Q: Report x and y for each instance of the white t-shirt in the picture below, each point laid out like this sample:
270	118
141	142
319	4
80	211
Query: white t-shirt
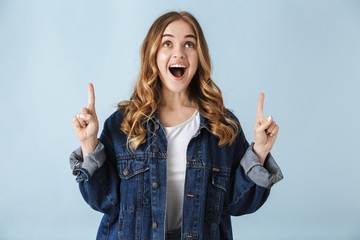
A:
178	138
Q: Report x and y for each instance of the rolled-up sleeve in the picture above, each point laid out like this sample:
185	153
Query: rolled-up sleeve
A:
85	168
262	175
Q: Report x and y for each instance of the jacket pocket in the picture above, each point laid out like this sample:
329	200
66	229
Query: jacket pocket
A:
216	192
134	185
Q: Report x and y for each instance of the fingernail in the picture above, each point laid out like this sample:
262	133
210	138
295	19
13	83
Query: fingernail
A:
82	116
269	119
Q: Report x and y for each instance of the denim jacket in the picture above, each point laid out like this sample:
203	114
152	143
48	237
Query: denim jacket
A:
130	187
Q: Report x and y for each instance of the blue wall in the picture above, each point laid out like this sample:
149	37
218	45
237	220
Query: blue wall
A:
304	55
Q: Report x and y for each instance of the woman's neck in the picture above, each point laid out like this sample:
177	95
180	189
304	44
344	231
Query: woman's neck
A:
175	108
175	101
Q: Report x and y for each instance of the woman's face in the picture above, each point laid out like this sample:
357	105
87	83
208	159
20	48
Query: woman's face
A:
177	57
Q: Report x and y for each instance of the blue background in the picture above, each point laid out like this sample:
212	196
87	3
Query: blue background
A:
304	55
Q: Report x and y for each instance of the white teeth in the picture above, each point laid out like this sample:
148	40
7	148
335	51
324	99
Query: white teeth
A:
177	66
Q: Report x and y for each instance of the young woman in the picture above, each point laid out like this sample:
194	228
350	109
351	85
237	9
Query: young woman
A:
172	162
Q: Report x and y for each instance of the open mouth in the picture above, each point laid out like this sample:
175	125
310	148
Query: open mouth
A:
177	70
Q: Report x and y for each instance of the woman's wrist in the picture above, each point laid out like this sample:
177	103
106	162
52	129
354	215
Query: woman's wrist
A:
260	154
88	146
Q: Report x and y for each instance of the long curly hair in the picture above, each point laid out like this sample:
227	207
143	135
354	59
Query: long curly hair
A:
147	91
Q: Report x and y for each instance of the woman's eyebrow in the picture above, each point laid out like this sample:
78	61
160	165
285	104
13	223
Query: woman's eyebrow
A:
187	36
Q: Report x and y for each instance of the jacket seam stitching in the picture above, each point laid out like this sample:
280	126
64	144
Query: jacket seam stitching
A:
103	189
241	195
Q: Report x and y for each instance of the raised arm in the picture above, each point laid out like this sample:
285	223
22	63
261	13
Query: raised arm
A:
94	163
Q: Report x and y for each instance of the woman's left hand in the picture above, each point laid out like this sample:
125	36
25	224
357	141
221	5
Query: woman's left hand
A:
265	132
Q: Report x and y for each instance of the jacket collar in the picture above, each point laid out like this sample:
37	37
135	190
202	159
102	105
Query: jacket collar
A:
204	123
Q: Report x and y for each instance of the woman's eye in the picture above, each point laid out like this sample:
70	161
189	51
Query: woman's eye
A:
189	44
167	44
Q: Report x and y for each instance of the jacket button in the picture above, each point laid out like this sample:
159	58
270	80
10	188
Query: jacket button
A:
156	149
155	185
157	126
126	171
155	225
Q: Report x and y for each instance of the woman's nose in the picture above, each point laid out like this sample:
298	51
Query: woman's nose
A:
178	52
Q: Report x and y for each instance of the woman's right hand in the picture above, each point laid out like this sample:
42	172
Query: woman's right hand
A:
86	124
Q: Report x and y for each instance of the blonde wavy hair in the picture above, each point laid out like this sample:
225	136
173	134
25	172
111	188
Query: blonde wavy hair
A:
147	91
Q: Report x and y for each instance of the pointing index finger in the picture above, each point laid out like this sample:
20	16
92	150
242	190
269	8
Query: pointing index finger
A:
260	106
91	97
